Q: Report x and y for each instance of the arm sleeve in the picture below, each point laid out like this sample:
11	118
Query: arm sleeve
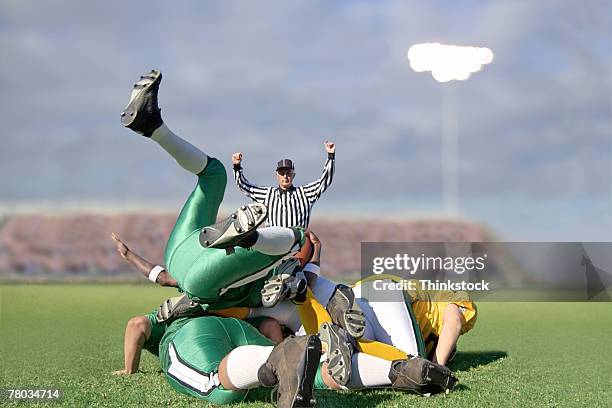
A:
255	193
314	190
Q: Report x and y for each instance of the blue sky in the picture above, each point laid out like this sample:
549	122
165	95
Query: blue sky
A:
275	79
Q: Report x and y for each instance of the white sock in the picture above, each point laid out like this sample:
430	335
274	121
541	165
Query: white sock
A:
369	372
322	289
186	155
274	240
244	362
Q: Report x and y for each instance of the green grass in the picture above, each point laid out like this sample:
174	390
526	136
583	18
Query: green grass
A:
519	354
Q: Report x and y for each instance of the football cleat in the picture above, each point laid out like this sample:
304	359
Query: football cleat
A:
239	229
345	312
142	113
177	307
339	347
292	367
289	283
421	376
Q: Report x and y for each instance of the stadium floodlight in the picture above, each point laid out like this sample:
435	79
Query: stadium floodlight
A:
447	63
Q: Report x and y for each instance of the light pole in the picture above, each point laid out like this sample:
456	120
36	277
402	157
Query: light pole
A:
449	63
450	149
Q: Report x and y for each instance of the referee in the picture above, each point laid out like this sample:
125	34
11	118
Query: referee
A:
288	205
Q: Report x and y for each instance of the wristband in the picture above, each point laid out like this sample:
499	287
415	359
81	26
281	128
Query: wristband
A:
155	273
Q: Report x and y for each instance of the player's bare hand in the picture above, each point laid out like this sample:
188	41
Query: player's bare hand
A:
121	247
237	158
313	238
330	147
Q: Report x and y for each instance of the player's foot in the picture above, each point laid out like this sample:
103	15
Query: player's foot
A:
292	366
345	312
289	283
177	307
421	376
239	229
142	113
339	347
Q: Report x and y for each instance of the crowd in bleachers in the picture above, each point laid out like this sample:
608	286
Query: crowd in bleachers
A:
42	247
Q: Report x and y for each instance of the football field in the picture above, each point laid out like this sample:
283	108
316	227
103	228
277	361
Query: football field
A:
519	354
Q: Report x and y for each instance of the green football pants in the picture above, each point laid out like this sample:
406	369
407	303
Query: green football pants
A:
209	275
192	356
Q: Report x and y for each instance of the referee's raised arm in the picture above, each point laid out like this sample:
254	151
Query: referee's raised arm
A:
254	192
314	190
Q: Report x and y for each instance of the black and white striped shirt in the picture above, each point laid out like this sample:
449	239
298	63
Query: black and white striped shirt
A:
292	207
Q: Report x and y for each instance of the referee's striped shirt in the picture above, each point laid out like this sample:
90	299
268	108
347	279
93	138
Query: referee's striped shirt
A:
292	207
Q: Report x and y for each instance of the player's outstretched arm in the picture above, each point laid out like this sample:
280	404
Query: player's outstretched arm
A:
142	265
452	320
137	331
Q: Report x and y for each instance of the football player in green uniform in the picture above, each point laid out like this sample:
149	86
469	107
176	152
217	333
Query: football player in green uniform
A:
219	359
217	265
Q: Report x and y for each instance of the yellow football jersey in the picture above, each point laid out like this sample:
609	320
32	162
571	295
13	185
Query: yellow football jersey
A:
428	307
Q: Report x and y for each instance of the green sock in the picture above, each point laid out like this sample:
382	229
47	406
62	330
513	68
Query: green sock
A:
319	384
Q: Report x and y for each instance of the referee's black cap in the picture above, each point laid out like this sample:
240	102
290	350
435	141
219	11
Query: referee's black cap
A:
285	164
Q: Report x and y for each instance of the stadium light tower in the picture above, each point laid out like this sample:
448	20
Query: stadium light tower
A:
449	63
